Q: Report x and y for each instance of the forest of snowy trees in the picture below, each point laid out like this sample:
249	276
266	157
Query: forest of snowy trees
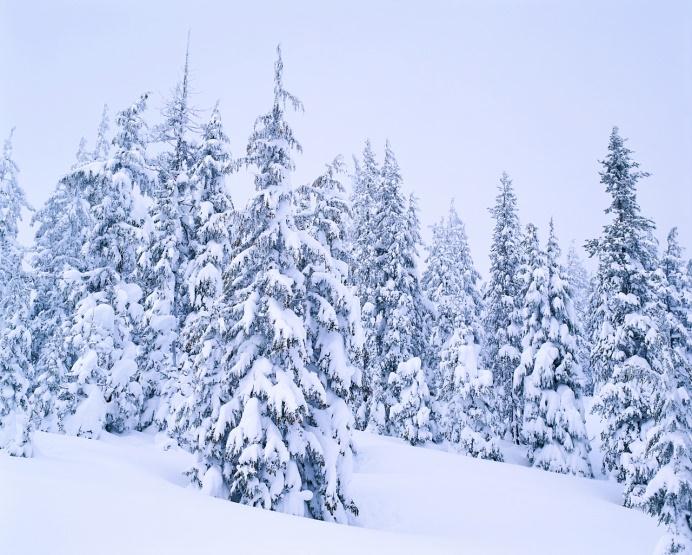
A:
259	337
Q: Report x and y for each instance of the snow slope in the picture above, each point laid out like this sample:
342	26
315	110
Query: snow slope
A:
125	494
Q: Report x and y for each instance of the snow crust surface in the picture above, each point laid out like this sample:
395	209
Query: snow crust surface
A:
127	494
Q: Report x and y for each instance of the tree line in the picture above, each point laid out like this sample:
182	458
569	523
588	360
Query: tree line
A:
260	337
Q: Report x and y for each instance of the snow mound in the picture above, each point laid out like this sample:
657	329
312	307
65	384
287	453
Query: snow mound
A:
128	494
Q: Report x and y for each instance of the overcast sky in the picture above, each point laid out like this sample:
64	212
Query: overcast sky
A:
463	90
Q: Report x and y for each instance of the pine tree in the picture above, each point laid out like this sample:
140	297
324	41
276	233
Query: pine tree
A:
663	485
166	254
81	156
423	310
175	131
660	481
259	440
630	352
158	266
62	227
102	389
365	273
450	281
580	284
202	336
552	414
532	280
334	310
16	369
399	310
468	415
332	315
462	392
439	278
13	202
103	143
501	350
411	408
677	301
410	413
366	186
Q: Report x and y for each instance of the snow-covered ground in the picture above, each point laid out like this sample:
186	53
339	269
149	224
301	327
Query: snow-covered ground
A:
126	495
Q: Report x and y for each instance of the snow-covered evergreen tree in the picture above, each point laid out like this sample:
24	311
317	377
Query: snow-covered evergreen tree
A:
102	147
467	398
102	390
16	369
532	280
366	187
335	338
660	480
202	336
365	271
630	351
13	202
435	281
663	484
166	253
333	308
580	284
501	349
399	309
159	265
264	439
677	301
424	310
81	156
552	413
176	130
450	282
409	415
62	227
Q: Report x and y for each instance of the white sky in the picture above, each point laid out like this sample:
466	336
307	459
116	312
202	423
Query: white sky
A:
463	90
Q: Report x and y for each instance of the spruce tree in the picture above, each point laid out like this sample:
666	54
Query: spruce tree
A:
501	350
202	336
450	282
81	156
365	273
16	368
159	264
469	413
399	310
410	412
630	353
677	303
166	253
464	399
332	322
662	485
660	481
13	202
62	225
580	284
333	308
552	424
103	389
263	437
102	147
366	187
532	279
439	277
